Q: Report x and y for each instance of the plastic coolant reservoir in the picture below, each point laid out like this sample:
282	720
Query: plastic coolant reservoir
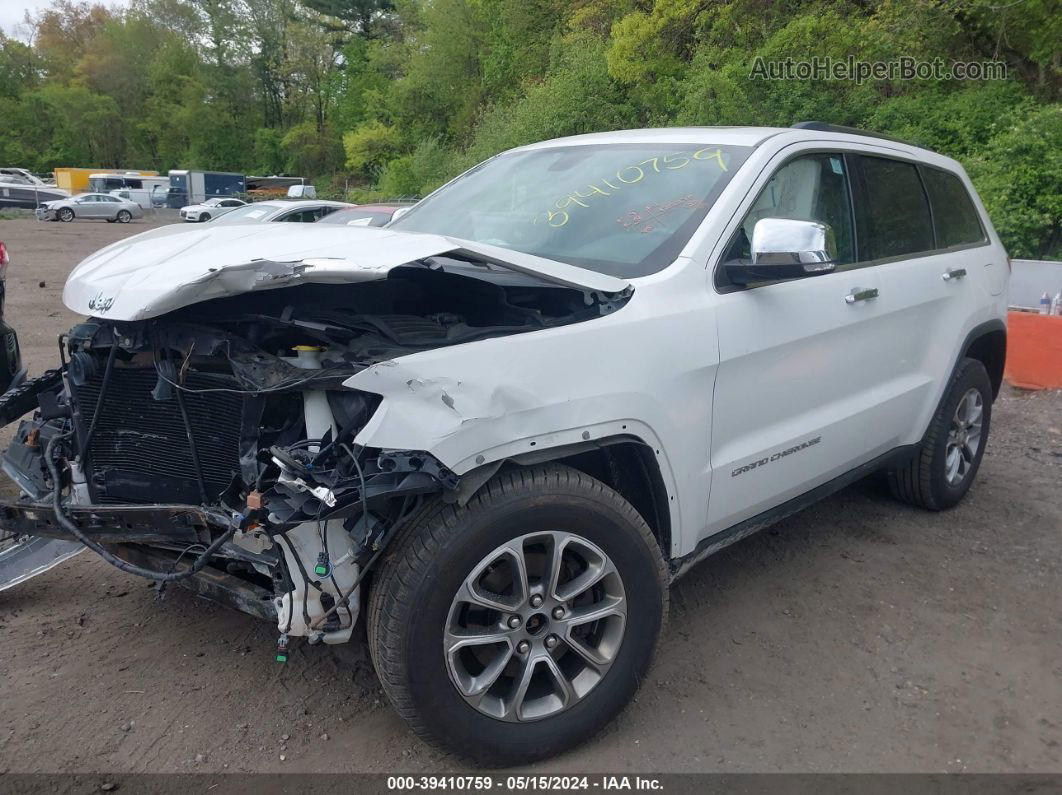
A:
319	419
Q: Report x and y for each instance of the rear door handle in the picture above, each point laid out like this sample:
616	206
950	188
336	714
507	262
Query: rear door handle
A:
861	295
950	275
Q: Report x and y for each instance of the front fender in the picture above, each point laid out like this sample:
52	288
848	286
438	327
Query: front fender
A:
639	372
466	425
469	428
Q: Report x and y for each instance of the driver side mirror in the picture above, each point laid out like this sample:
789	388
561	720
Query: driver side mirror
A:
785	248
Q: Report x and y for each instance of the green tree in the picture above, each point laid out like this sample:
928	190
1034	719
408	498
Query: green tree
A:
362	15
18	69
311	151
369	147
392	97
1019	177
269	155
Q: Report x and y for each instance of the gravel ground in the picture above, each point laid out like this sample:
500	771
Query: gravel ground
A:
860	635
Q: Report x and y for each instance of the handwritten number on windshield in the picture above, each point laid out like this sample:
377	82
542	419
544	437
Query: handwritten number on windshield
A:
558	215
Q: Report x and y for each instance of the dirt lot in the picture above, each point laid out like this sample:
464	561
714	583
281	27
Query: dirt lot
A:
860	635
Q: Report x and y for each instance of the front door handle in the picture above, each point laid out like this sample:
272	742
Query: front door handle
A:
950	275
861	295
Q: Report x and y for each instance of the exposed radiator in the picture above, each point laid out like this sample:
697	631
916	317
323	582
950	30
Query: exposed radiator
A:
140	451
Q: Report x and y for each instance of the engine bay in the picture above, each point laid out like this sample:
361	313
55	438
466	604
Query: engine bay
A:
213	446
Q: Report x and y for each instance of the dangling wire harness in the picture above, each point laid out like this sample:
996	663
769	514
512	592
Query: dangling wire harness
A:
103	552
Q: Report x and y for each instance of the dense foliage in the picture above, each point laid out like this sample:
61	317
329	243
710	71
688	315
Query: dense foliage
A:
392	97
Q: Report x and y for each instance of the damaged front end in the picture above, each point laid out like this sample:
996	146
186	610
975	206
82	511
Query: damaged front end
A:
214	445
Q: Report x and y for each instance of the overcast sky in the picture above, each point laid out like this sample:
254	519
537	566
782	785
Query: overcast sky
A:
12	11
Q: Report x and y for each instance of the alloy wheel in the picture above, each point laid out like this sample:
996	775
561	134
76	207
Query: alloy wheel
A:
535	626
964	437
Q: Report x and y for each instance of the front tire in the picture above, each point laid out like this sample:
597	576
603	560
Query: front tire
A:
204	218
516	627
124	217
942	471
66	215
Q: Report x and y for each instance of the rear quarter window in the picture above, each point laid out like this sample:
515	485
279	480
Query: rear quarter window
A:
954	215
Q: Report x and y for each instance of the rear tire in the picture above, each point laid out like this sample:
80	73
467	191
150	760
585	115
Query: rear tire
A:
66	215
940	474
428	598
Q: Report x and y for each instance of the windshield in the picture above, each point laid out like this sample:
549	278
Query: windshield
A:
621	209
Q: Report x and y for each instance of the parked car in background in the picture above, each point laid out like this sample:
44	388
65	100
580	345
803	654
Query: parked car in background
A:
305	211
211	208
365	215
160	196
97	206
11	371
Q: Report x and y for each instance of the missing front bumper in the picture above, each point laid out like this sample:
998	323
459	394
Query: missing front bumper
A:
132	529
109	524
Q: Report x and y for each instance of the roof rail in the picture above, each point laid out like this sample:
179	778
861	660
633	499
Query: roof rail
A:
822	126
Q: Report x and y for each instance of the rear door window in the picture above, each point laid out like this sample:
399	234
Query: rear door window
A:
954	215
897	213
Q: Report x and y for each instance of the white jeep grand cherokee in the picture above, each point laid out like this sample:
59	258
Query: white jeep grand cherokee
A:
503	425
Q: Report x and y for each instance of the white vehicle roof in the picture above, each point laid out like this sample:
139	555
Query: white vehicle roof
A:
735	136
745	136
258	212
282	204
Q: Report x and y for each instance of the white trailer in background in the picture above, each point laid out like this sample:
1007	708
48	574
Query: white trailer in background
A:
195	187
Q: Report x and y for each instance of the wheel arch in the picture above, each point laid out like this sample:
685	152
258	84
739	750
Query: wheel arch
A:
987	343
624	463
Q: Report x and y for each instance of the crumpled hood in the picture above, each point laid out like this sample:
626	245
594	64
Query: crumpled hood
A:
174	266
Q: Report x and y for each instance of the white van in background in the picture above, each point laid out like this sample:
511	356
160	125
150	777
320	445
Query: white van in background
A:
134	187
141	196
